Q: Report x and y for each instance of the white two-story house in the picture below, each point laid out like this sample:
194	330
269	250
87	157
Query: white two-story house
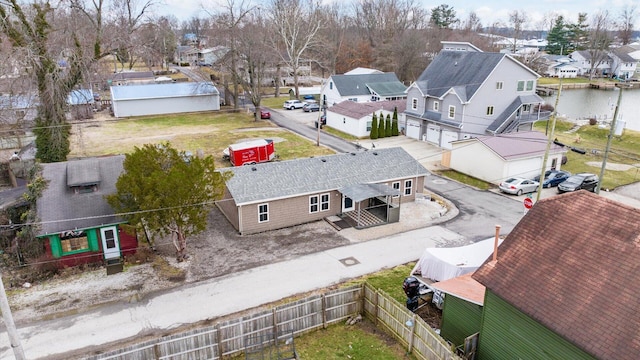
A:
466	93
623	64
362	86
584	58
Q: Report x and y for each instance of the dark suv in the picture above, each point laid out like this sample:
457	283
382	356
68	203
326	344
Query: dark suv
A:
583	181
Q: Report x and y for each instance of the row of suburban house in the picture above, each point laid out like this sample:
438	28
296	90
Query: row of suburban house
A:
466	100
621	63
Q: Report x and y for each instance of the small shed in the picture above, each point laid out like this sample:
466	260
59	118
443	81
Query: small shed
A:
81	104
156	99
462	310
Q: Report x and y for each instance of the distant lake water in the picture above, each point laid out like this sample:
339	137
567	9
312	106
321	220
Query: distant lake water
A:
576	104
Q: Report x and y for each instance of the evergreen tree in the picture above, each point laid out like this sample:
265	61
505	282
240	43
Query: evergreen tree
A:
168	192
394	123
381	132
373	134
387	126
557	39
578	34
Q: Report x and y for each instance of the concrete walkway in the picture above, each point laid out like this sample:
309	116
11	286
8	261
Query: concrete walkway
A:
226	295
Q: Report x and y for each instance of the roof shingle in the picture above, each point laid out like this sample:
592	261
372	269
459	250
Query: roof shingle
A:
572	265
275	180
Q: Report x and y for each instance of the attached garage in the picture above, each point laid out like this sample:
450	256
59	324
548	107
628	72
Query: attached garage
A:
433	134
156	99
447	138
413	129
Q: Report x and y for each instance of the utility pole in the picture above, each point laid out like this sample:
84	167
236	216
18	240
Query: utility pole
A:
549	140
14	340
611	131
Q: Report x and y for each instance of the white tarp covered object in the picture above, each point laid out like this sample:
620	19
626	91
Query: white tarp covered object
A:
441	264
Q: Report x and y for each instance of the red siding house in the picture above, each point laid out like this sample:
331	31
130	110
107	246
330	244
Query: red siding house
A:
77	224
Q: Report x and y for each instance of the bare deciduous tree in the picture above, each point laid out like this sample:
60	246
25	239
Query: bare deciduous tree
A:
255	57
625	23
599	41
235	11
296	24
30	31
518	21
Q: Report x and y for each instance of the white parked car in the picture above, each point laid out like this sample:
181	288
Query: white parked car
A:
518	186
293	104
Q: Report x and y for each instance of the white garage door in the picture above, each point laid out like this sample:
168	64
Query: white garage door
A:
413	129
447	138
433	134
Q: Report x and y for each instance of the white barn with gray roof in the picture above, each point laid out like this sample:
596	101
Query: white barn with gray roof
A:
497	158
157	99
276	195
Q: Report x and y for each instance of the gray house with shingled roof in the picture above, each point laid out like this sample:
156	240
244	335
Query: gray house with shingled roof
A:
465	93
356	186
565	283
358	87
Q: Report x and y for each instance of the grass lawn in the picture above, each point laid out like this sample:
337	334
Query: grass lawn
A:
209	132
625	149
360	341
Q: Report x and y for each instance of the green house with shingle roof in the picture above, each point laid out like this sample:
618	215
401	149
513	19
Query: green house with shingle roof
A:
565	283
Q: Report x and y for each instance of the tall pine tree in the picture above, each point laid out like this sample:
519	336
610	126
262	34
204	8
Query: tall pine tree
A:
374	127
387	126
381	132
394	122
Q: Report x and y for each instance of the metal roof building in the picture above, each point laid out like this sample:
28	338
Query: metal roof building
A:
156	99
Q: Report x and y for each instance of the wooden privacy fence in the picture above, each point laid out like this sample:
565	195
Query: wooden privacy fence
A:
413	332
282	323
228	338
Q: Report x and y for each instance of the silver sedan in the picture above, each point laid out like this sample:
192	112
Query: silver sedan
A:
518	186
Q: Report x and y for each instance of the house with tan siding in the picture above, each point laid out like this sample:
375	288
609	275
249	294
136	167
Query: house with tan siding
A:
364	188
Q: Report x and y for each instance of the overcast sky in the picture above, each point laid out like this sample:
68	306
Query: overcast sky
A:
489	11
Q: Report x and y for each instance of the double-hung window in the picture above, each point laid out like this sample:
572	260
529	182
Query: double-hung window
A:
408	187
263	213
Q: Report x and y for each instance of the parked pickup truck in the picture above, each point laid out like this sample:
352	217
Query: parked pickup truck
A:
250	152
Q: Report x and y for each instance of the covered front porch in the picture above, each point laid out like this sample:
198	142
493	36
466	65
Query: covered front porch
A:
368	205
